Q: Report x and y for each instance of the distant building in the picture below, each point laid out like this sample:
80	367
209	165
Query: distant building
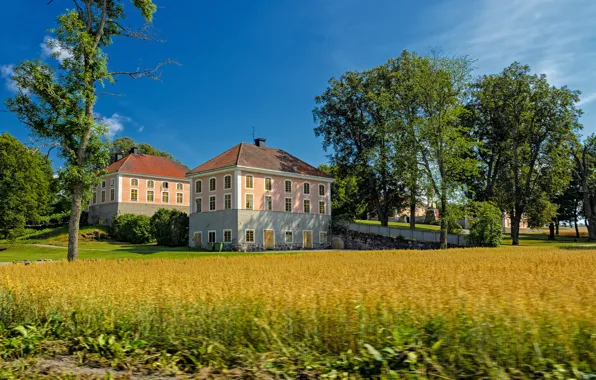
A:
139	184
259	197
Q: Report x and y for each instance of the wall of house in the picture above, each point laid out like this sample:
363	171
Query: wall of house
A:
98	190
213	221
102	213
278	193
219	192
157	190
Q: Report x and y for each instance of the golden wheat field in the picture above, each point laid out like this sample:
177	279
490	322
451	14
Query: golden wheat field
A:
508	306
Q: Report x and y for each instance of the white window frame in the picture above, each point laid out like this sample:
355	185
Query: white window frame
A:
309	188
161	199
252	181
230	177
112	194
181	185
269	229
321	186
130	195
265	183
253	236
112	182
286	237
167	185
152	182
103	184
214	184
208	236
214	203
147	195
324	208
286	188
94	200
134	179
196	208
309	206
291	204
265	202
180	203
253	201
103	196
231	201
326	237
224	236
201	182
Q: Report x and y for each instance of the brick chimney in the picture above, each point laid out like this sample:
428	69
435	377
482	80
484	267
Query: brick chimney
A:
260	142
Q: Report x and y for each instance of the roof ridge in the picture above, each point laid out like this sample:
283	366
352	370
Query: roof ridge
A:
124	160
239	151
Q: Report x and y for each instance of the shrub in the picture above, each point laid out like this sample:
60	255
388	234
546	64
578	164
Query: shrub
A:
170	227
486	228
132	228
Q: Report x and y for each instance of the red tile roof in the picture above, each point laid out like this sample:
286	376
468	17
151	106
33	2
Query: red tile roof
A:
250	155
148	165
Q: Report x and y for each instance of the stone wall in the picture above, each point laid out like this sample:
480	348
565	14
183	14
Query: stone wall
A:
104	213
362	241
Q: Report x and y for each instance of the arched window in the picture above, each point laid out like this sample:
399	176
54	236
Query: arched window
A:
249	182
212	184
199	186
150	184
228	182
165	185
134	182
179	186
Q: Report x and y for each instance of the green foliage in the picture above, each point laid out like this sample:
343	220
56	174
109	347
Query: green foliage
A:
486	228
170	227
132	228
25	179
347	200
540	211
124	144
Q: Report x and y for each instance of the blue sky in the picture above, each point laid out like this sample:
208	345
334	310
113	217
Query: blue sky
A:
261	63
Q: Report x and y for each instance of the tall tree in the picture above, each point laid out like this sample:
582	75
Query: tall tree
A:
359	131
347	200
570	202
525	126
25	178
443	84
584	155
58	103
124	144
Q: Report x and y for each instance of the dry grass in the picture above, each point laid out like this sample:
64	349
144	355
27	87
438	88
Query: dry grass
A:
505	301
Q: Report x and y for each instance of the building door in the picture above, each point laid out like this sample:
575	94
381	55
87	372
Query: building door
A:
307	239
198	238
268	239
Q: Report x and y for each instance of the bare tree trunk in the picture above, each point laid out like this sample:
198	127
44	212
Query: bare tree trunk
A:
551	229
73	224
444	215
515	219
576	228
557	226
592	227
413	208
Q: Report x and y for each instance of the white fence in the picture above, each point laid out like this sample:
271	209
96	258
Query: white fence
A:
418	235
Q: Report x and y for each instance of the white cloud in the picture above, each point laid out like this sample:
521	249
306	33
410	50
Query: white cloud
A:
114	123
141	128
51	47
6	73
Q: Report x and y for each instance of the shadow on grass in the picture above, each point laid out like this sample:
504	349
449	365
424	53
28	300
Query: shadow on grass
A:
579	247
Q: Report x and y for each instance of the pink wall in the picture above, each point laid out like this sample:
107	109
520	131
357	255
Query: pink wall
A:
219	191
142	190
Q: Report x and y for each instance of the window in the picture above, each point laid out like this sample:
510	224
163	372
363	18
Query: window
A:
289	237
322	237
212	203
212	184
112	182
112	194
134	195
268	203
250	236
103	195
150	196
227	201
268	184
199	203
306	188
307	206
199	186
94	197
288	204
165	185
134	182
249	182
165	197
288	186
322	208
321	190
103	184
179	186
179	198
150	184
228	182
249	201
227	236
211	237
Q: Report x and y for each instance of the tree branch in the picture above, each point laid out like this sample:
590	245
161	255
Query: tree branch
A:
143	33
108	94
151	73
102	23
